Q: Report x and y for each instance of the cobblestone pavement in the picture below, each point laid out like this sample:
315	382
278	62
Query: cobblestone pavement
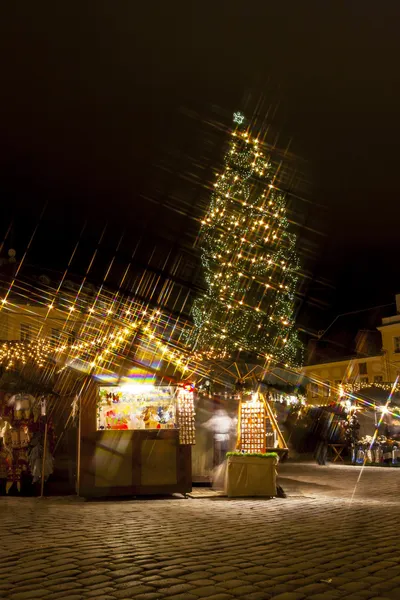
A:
327	540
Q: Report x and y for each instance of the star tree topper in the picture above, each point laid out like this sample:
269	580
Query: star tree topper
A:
238	118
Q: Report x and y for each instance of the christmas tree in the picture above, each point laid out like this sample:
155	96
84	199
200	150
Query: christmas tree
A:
250	262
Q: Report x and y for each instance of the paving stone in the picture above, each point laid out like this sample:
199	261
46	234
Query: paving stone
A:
128	571
149	579
277	549
63	574
243	590
28	588
62	586
277	588
208	591
219	570
198	575
93	593
315	588
254	577
332	595
28	594
226	576
173	590
221	596
89	581
258	596
165	582
183	597
107	597
65	586
176	572
129	578
289	596
233	583
361	595
383	586
36	577
64	595
393	594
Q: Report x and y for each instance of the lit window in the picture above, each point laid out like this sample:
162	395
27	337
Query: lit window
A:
363	380
314	390
396	343
378	378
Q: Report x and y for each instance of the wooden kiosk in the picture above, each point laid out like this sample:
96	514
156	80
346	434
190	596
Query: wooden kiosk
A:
251	471
135	440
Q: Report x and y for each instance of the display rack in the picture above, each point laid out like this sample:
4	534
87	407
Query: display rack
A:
185	417
256	419
252	419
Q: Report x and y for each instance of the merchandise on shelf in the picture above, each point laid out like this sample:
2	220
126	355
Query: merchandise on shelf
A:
147	407
185	415
136	407
252	426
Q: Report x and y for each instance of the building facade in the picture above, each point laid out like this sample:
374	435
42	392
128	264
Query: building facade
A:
327	378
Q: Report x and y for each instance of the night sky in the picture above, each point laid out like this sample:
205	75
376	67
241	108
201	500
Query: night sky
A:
105	105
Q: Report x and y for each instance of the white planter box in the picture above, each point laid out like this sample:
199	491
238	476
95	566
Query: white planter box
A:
250	476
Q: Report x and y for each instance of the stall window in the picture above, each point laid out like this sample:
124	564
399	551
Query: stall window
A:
378	378
396	343
327	389
136	407
25	332
362	368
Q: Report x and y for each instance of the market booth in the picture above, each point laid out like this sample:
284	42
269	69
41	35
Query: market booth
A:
136	440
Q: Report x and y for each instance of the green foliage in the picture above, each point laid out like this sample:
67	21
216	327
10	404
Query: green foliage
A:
252	454
250	263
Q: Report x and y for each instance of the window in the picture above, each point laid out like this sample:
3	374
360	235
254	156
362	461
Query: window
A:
314	390
396	343
327	389
25	332
378	378
134	409
364	380
362	368
55	334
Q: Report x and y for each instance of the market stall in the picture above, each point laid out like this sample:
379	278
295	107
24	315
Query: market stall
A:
24	432
136	440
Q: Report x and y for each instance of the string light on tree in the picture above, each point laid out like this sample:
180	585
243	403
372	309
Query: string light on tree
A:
249	259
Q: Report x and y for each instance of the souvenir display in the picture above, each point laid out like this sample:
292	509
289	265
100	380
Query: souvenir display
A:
252	426
22	430
147	407
136	407
377	450
186	415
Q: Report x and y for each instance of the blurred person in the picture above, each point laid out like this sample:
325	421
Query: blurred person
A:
322	432
222	425
352	434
